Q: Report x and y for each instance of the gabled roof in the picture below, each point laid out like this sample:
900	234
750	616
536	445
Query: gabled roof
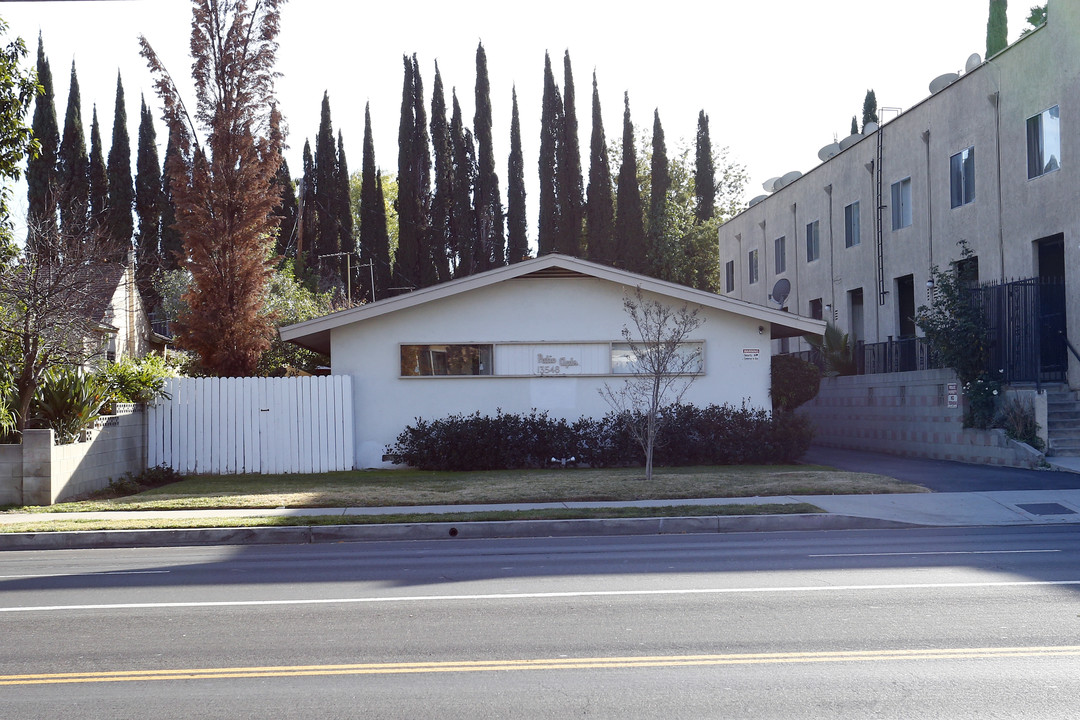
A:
101	280
315	334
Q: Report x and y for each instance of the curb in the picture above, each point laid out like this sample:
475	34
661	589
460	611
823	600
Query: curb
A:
321	534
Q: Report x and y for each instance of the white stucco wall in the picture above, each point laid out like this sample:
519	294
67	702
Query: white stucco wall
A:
523	310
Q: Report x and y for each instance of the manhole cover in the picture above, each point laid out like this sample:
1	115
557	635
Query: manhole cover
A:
1046	509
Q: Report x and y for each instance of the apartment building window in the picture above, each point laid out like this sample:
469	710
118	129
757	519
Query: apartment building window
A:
1044	142
729	276
962	177
813	241
967	271
780	254
752	268
851	225
815	309
901	204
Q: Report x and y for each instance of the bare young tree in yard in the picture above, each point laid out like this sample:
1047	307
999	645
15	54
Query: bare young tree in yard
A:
224	194
661	365
51	308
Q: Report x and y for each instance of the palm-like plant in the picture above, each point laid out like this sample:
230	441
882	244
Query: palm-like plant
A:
8	399
836	349
68	401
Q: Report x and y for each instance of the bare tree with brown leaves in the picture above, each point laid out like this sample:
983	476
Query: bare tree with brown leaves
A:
224	193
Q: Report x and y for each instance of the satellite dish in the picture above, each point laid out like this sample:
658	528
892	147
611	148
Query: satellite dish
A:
780	291
788	178
770	184
973	62
942	81
869	128
828	151
757	199
850	140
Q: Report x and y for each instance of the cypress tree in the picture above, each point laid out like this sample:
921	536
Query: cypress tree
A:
869	109
172	245
517	240
547	226
148	206
41	171
374	240
118	221
343	208
287	212
490	229
99	178
997	28
441	240
421	154
704	172
463	220
854	125
629	230
325	240
568	168
73	169
407	257
600	218
657	256
307	223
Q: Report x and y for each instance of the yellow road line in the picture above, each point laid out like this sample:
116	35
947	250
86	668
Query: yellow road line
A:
540	664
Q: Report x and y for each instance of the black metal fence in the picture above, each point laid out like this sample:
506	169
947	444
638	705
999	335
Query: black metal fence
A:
1026	320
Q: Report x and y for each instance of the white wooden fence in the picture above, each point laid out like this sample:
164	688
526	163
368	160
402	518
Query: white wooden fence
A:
223	426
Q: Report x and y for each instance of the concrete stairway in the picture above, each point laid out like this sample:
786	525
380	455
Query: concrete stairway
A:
1063	421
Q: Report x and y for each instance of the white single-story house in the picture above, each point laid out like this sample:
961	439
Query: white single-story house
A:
543	333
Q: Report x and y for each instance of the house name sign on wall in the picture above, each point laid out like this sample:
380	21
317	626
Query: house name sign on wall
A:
550	365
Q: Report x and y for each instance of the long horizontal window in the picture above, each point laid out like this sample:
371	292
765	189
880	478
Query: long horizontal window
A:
687	359
427	360
539	359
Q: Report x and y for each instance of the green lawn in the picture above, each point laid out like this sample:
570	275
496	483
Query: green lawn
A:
62	524
382	488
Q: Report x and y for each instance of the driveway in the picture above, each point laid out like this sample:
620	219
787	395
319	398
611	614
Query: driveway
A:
943	475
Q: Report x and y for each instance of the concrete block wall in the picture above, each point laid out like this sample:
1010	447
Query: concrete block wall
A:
10	474
118	446
905	414
41	473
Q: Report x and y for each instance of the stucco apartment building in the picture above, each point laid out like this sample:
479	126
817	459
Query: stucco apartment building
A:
991	157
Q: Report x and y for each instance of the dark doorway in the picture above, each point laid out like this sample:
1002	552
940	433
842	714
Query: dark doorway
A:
1053	358
905	305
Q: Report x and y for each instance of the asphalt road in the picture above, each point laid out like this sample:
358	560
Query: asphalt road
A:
941	623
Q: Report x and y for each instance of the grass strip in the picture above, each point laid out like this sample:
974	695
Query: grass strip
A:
67	525
374	488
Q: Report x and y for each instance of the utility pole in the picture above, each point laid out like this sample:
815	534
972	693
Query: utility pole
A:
348	272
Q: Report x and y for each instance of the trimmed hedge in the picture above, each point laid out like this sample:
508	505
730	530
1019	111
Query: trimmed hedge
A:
713	435
794	382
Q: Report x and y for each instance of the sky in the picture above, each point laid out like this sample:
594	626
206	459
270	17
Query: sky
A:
779	79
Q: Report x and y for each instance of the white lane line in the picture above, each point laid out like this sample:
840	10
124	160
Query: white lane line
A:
537	596
933	553
88	574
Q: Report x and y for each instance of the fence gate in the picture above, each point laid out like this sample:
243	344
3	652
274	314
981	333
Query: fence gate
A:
224	426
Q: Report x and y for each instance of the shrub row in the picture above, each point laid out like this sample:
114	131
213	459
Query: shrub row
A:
714	435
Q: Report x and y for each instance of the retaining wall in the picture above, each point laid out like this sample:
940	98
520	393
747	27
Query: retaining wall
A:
38	472
907	414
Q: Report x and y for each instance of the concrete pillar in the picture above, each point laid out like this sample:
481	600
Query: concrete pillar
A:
37	467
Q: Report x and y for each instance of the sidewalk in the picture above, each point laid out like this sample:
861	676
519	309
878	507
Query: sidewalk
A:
949	509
